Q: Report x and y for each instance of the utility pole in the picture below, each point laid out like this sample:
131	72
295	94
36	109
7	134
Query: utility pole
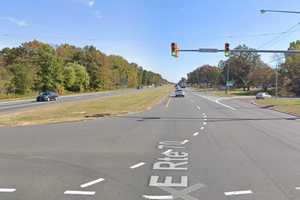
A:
276	82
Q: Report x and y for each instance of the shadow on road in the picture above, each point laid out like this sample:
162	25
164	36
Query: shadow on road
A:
214	119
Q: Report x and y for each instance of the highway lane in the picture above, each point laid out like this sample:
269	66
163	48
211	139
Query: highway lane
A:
187	148
11	106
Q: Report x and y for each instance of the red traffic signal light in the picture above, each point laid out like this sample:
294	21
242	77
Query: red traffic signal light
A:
174	49
227	50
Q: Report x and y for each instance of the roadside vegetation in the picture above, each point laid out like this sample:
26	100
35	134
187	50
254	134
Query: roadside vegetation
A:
81	110
287	105
248	72
35	66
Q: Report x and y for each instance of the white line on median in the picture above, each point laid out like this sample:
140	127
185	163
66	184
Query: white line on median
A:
137	165
216	101
7	189
91	183
185	141
238	192
195	134
75	192
157	197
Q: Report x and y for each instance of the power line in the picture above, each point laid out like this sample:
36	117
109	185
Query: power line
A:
292	29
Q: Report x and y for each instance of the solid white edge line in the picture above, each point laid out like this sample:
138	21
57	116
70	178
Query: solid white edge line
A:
167	105
157	197
92	183
137	165
216	101
238	192
195	134
185	141
7	189
76	192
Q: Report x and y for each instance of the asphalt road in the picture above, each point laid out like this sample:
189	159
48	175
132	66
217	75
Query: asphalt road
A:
11	106
187	148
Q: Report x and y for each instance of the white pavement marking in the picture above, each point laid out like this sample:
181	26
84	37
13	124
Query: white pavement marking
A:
168	151
92	183
202	128
137	165
157	197
75	192
192	100
205	119
204	123
7	189
216	101
195	134
297	188
167	105
185	141
198	107
238	192
183	194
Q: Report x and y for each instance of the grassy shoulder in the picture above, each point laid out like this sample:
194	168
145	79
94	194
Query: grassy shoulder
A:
231	93
286	105
76	111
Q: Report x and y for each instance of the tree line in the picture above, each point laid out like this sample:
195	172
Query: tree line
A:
36	66
247	70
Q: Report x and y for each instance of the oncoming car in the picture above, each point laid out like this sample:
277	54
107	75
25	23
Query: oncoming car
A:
47	96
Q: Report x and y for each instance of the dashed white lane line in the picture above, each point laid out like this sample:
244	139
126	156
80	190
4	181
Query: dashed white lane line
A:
76	192
157	197
238	192
8	190
168	151
205	119
184	142
195	134
297	188
198	107
202	128
204	123
137	165
92	183
167	105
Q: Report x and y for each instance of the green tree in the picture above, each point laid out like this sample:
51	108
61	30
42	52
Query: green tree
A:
21	82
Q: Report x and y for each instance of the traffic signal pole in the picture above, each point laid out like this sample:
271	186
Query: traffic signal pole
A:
209	50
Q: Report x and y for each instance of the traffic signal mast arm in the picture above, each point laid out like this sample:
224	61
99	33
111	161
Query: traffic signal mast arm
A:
210	50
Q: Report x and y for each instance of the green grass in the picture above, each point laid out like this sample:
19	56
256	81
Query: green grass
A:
76	111
231	93
291	105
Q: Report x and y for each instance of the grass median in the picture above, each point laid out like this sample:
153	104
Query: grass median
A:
291	106
80	110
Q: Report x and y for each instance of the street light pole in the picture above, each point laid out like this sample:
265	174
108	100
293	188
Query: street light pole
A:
279	11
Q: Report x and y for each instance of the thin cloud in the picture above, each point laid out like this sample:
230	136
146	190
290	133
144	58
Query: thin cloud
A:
98	15
18	22
89	3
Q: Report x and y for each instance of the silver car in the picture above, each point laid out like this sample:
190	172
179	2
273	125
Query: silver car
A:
179	93
263	95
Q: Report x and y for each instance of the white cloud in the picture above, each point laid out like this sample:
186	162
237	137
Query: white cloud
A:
91	3
18	22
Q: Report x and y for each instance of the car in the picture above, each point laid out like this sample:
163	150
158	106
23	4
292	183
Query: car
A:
263	95
179	93
47	96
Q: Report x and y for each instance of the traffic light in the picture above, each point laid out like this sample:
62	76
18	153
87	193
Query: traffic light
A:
174	50
227	50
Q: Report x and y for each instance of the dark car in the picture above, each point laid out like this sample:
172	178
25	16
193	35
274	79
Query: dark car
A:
47	96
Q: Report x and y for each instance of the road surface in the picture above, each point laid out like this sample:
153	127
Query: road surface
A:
11	106
188	148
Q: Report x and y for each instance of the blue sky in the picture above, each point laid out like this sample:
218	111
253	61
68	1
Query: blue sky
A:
142	30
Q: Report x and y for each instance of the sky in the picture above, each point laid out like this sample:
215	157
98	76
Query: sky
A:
141	30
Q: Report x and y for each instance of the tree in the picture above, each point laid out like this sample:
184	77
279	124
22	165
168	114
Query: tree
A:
240	66
205	75
262	76
21	82
69	76
82	78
